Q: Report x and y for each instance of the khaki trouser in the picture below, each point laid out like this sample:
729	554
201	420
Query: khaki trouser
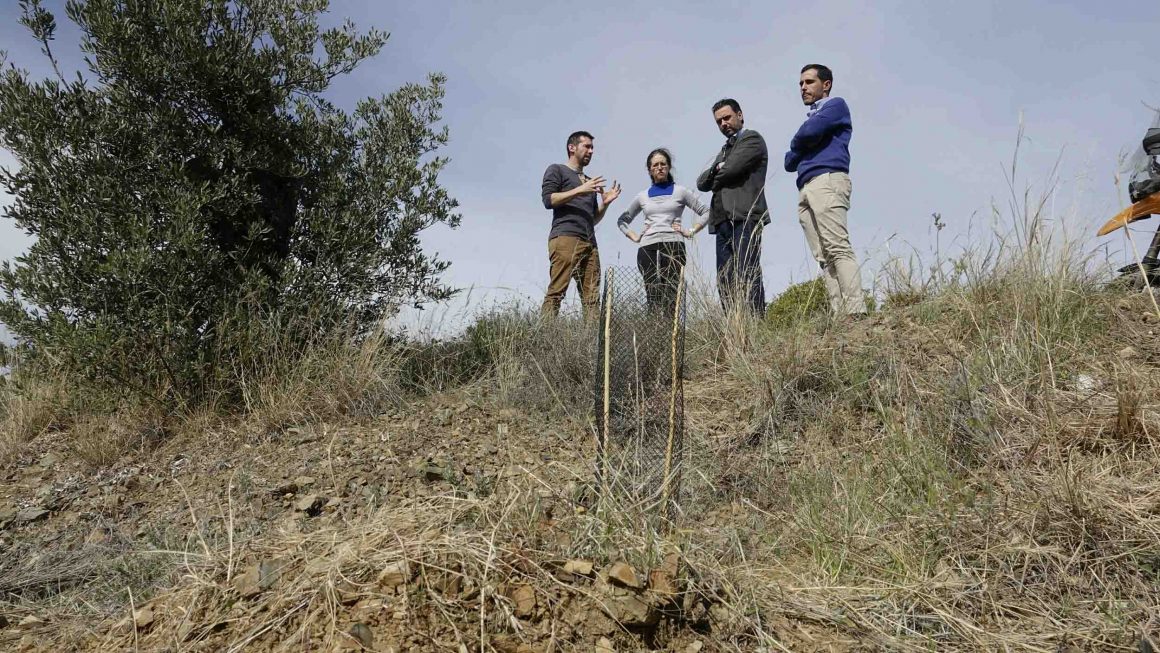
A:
573	258
822	207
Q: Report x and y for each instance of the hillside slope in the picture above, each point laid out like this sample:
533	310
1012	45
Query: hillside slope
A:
975	471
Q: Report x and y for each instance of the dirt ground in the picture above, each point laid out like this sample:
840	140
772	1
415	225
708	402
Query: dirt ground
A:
454	523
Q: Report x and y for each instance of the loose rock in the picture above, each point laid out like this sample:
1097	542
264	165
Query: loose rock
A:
143	618
662	582
525	599
624	575
1085	383
394	575
631	611
310	504
1128	353
431	472
579	567
363	635
247	584
29	515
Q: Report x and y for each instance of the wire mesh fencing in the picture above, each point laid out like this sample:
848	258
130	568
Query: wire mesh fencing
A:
639	393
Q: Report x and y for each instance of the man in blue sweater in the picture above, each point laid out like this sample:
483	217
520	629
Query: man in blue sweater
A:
820	154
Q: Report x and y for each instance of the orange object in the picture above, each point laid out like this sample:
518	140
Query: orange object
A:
1137	211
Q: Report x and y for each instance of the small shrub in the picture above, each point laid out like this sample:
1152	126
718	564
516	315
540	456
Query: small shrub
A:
903	297
797	303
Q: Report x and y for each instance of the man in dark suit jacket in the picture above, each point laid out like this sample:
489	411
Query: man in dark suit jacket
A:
737	212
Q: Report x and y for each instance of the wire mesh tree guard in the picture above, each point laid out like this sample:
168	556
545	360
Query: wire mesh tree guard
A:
639	393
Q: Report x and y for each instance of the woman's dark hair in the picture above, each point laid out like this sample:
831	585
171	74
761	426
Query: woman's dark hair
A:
668	159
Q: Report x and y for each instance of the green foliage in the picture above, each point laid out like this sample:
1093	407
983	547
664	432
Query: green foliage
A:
525	360
195	191
903	297
443	364
798	302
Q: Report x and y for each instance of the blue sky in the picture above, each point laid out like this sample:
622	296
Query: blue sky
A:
936	91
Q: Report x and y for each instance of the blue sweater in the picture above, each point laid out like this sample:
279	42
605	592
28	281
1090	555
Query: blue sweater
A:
822	143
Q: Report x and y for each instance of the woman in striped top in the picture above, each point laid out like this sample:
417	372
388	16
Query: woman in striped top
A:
661	256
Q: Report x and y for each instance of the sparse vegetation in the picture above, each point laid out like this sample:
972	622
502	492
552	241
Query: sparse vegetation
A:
973	471
972	468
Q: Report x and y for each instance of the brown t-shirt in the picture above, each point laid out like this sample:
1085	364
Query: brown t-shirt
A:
577	217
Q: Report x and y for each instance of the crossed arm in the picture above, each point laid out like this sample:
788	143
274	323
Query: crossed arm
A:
833	115
734	165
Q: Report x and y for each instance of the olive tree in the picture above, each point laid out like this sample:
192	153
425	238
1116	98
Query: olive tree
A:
194	194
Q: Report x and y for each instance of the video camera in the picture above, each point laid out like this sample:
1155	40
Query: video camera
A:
1144	191
1146	180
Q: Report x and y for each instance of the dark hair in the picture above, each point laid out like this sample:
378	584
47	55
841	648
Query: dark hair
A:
574	138
727	102
824	73
668	159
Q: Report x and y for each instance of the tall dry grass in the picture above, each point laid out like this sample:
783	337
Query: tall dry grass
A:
964	471
971	468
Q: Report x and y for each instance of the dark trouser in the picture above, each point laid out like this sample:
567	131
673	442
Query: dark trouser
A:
739	265
660	264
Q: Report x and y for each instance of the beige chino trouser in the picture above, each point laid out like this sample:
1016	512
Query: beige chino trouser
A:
822	206
571	258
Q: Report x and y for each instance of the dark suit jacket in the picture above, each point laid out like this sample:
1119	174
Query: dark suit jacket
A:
739	186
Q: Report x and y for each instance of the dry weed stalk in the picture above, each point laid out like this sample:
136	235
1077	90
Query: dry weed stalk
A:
966	471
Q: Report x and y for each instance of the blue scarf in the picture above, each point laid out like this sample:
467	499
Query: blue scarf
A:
656	190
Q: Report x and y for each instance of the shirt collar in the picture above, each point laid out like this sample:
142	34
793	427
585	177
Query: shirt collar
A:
816	106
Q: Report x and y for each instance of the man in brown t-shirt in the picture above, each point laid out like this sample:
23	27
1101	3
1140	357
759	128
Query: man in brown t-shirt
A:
571	196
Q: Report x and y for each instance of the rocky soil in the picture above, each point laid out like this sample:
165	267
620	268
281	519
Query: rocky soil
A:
815	515
437	527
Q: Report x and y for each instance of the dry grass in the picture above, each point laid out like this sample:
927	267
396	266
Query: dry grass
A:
344	376
973	468
941	502
100	440
29	408
459	561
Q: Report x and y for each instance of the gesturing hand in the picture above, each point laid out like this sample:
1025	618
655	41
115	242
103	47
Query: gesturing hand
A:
591	185
611	194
